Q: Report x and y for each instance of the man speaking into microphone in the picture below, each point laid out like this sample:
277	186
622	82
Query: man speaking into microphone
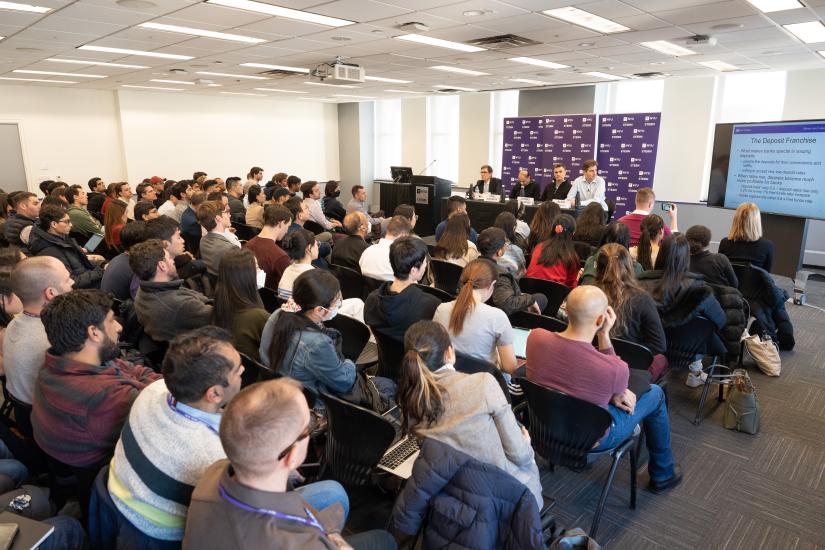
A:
487	183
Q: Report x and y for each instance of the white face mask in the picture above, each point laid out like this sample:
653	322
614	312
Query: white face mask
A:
260	278
333	311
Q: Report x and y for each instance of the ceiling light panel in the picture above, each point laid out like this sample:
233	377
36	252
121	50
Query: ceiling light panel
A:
229	75
162	88
529	81
586	19
276	67
538	62
458	70
53	73
201	32
14	6
668	48
280	91
431	41
387	80
331	85
162	81
409	91
278	11
243	93
38	80
96	63
811	32
606	76
142	53
719	66
768	6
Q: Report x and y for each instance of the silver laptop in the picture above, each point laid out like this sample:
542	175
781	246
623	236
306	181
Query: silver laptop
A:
520	342
399	459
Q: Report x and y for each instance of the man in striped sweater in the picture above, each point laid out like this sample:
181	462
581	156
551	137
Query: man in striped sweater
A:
171	436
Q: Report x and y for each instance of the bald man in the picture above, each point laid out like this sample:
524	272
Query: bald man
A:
568	363
347	251
36	281
265	433
525	186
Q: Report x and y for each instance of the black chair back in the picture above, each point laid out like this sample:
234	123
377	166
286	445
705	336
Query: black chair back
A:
528	320
254	371
245	232
583	250
390	354
694	338
352	283
446	275
356	441
193	243
751	283
471	365
432	291
555	292
355	335
270	299
370	284
635	355
563	428
316	228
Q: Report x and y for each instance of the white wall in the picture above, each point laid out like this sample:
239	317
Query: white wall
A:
474	133
66	134
173	135
414	133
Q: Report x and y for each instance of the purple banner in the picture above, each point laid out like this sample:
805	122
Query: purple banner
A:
627	155
536	143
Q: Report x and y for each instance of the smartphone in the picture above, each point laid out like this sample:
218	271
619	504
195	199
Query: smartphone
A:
667	206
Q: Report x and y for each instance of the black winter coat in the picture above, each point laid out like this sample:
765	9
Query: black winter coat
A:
66	250
767	303
464	503
736	319
695	298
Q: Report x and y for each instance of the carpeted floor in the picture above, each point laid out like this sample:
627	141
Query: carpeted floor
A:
739	491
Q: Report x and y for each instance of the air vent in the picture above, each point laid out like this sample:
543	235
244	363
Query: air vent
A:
280	72
649	75
446	90
502	41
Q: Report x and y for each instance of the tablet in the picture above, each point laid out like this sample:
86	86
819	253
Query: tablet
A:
93	242
520	342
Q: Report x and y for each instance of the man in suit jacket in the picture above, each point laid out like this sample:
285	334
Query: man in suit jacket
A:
487	183
559	187
525	187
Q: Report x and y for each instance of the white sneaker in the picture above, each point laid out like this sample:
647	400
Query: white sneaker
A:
694	380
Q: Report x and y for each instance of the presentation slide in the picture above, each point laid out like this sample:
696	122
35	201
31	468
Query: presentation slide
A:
779	167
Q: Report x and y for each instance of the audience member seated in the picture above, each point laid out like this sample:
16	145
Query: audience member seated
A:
645	200
171	435
145	211
455	245
300	214
293	184
541	226
347	251
82	222
146	192
637	319
164	307
234	192
36	282
118	278
271	257
455	205
590	225
652	233
513	259
568	363
375	260
559	186
238	306
190	229
183	192
394	306
617	233
26	209
524	186
97	194
715	268
168	201
680	295
168	230
477	329
555	259
10	304
358	203
265	433
111	194
114	220
507	295
302	249
124	193
214	217
516	208
50	237
332	207
312	193
433	400
745	243
84	391
254	177
280	196
254	216
407	211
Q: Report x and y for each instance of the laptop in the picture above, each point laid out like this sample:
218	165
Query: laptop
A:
399	458
520	342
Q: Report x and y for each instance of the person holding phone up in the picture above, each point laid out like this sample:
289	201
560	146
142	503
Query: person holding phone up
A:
645	199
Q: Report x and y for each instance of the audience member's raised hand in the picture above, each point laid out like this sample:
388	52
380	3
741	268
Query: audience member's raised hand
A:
534	308
609	321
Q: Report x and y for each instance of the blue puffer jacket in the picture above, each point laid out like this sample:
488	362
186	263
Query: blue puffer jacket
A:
767	303
464	503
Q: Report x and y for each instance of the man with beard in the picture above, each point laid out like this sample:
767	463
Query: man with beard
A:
84	391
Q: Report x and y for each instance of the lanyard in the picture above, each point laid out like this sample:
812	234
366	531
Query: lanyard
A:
309	522
173	405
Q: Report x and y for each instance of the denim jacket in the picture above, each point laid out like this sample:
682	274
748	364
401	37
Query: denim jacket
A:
313	358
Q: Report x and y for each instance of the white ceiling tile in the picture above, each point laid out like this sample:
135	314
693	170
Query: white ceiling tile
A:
212	17
642	22
747	22
19	19
421	4
495	10
431	21
283	27
789	17
149	38
655	5
78	26
537	50
462	33
537	5
156	7
720	10
560	33
52	37
610	9
359	10
88	12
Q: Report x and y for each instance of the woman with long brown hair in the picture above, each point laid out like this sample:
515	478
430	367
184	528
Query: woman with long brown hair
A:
637	319
432	398
455	245
652	231
590	225
745	242
542	223
477	329
555	259
114	220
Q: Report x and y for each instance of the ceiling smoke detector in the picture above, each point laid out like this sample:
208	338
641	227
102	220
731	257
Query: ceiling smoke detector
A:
414	27
502	41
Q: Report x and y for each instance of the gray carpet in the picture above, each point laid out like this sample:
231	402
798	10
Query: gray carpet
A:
739	491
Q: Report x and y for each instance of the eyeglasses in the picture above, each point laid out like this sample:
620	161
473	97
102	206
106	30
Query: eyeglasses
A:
313	422
67	221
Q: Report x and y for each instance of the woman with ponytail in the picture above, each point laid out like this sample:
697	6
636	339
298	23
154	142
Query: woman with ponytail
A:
652	231
637	319
433	401
302	248
477	329
555	259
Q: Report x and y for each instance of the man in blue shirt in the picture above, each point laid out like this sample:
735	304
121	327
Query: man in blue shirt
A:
455	204
589	186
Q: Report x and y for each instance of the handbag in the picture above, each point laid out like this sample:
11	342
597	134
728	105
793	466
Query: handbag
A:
742	406
366	394
765	353
575	539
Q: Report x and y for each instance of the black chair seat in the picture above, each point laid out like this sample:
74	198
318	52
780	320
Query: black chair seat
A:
472	365
245	232
270	299
528	320
556	292
438	293
316	228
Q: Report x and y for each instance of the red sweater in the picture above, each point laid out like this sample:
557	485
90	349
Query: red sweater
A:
633	222
556	272
271	258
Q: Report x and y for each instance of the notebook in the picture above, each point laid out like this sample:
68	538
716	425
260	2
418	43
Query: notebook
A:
520	342
31	534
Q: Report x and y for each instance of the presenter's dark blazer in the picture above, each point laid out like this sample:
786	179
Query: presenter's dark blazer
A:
560	194
530	190
495	186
